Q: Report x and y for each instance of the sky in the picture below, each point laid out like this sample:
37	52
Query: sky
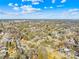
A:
39	9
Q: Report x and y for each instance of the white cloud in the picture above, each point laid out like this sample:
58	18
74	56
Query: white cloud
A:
75	9
25	7
29	9
41	15
2	12
35	3
37	0
33	0
60	6
16	8
70	14
23	12
50	7
63	1
53	1
24	0
15	4
45	7
7	13
74	13
10	4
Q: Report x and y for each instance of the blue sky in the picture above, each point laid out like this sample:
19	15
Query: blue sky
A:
39	9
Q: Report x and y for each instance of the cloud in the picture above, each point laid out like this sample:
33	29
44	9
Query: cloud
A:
74	9
53	1
10	4
50	7
24	8
8	13
33	0
63	14
35	3
60	6
16	8
74	13
24	0
15	4
70	14
23	12
45	7
37	0
28	9
63	1
2	12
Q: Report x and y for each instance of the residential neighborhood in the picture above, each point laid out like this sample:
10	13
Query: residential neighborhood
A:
39	39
